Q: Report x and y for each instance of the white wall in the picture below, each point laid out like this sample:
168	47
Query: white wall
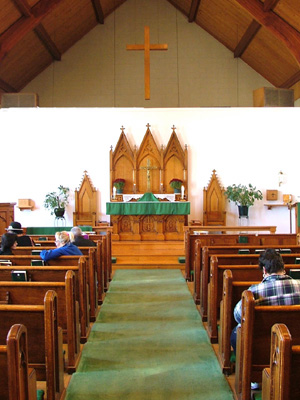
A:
50	147
195	71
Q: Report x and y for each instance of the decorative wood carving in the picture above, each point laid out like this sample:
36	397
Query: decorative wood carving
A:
160	164
85	203
214	202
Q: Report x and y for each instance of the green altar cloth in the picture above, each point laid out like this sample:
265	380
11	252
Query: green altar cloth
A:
51	230
148	208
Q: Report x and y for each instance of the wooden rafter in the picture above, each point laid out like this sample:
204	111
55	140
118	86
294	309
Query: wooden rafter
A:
6	87
276	25
98	11
291	81
194	10
24	25
246	39
270	4
47	42
252	30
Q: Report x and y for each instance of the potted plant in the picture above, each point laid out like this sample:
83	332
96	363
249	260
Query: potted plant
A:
56	202
243	196
176	183
119	184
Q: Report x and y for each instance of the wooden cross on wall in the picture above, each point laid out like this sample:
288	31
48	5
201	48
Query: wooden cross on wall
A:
147	47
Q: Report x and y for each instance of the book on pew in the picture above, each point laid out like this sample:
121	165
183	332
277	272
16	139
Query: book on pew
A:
297	260
5	262
243	251
19	276
36	252
43	238
285	251
294	273
37	263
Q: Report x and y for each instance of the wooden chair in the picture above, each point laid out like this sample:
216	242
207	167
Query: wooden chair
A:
17	380
85	203
254	337
214	203
281	378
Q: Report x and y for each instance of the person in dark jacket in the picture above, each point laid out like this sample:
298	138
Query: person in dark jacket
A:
8	243
80	240
23	240
64	247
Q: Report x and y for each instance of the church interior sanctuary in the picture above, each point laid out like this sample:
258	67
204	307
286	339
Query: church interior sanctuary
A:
150	201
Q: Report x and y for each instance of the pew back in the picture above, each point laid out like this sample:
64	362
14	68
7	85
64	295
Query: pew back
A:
253	340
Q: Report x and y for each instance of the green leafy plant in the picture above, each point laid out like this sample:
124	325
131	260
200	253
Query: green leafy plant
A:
176	183
54	200
243	195
119	183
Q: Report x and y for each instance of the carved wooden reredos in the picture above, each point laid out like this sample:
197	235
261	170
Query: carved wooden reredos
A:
85	203
165	164
214	202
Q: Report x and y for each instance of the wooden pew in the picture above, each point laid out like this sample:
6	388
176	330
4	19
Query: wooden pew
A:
228	259
82	286
281	378
243	239
90	253
228	249
17	380
33	293
215	285
232	293
253	340
45	342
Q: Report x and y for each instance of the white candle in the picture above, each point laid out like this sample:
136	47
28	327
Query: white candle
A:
114	192
134	188
182	191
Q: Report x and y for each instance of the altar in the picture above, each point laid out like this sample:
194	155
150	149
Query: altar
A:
148	220
148	209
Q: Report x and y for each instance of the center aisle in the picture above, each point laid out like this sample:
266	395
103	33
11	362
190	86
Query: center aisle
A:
148	343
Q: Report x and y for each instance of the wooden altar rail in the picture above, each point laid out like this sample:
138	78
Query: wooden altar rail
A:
224	228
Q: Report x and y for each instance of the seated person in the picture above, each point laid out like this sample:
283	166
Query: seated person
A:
276	288
23	240
79	239
64	247
8	243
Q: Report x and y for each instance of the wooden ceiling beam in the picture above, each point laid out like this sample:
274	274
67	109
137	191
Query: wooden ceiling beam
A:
98	11
24	25
47	42
246	39
291	81
194	10
40	31
6	87
276	25
270	4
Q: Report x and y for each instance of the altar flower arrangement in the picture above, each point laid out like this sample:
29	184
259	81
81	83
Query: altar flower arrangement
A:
119	183
176	183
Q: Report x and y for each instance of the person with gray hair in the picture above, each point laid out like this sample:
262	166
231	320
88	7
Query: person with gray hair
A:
79	240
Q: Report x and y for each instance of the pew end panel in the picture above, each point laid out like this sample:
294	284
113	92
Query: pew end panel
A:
17	380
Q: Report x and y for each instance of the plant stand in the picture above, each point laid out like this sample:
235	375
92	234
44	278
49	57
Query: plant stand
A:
59	221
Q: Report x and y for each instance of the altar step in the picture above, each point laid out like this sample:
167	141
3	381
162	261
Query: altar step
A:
147	254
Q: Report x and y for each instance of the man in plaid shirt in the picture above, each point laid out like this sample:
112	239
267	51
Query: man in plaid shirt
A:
275	289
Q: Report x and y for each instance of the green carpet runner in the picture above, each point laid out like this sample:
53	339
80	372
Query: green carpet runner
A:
148	343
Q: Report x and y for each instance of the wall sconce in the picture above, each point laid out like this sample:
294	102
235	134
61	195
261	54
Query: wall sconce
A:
281	178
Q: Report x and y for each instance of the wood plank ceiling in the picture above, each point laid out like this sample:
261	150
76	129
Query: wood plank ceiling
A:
264	34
